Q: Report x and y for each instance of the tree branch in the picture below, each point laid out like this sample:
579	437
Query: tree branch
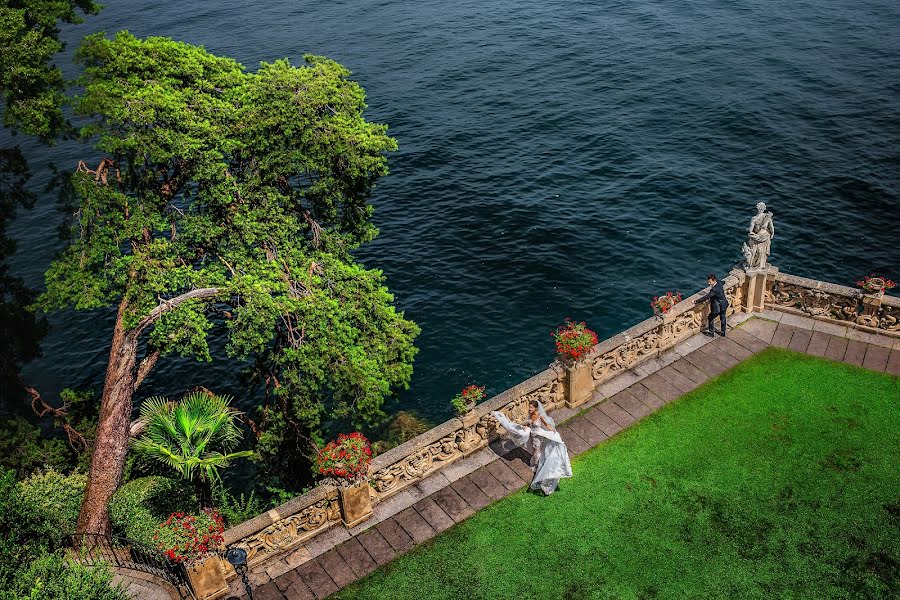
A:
172	304
42	409
145	367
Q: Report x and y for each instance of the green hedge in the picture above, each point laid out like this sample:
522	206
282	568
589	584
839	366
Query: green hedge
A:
139	506
51	577
56	496
35	514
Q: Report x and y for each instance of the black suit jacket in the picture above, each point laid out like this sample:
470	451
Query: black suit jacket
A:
716	296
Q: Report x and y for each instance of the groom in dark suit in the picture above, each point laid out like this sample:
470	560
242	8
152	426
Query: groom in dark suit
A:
718	304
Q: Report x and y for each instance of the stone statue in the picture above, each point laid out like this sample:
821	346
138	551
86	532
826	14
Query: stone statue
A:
759	241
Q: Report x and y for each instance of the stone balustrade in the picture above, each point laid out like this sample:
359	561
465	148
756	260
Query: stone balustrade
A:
851	307
311	514
286	526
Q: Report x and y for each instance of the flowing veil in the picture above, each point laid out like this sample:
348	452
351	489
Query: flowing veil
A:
551	459
544	415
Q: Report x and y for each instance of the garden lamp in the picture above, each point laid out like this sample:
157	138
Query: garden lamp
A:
237	557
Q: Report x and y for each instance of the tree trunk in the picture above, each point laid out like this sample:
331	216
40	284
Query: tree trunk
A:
123	376
113	428
203	488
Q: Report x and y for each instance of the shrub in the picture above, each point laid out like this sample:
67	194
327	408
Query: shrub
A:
25	450
186	538
51	577
57	496
345	460
31	563
573	341
139	506
466	399
237	509
24	531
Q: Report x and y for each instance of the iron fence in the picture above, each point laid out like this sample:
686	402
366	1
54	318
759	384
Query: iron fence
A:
121	553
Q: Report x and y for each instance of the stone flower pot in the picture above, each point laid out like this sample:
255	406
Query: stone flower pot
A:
207	578
356	505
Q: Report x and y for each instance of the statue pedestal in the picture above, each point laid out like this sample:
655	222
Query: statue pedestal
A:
758	287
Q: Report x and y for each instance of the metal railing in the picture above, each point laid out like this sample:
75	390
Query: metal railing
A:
121	553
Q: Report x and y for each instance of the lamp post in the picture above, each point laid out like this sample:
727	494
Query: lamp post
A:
237	557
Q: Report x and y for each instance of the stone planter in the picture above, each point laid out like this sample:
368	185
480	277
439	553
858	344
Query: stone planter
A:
579	384
207	578
356	506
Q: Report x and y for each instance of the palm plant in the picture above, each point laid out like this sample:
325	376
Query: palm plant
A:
195	436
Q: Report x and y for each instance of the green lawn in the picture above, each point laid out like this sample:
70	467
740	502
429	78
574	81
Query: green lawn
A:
781	478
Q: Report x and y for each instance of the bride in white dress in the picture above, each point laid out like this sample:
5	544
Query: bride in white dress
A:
549	457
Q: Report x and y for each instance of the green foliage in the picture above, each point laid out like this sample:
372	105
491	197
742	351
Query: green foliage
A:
778	479
194	436
82	412
25	450
31	86
24	531
58	497
139	506
51	577
238	508
253	187
31	562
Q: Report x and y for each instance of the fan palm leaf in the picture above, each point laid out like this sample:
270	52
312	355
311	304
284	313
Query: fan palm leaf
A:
196	434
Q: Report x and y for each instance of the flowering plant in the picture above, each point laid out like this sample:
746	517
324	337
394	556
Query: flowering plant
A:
188	538
345	459
875	283
573	340
467	398
663	304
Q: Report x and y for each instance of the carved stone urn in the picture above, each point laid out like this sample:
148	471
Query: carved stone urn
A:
207	578
356	504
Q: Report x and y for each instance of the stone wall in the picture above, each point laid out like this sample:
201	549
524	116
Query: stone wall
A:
309	515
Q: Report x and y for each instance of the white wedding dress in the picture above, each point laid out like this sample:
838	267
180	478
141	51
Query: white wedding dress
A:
549	457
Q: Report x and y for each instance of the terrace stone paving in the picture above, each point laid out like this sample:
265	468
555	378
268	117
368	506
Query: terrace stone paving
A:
340	556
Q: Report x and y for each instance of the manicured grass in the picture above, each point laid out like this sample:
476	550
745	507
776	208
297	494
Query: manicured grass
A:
781	478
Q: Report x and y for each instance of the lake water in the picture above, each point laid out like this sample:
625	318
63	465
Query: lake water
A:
557	159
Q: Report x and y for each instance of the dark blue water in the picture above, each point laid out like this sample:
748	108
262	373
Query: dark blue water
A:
559	159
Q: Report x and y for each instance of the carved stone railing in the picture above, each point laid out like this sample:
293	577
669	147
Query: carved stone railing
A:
851	307
418	458
653	336
286	526
306	516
